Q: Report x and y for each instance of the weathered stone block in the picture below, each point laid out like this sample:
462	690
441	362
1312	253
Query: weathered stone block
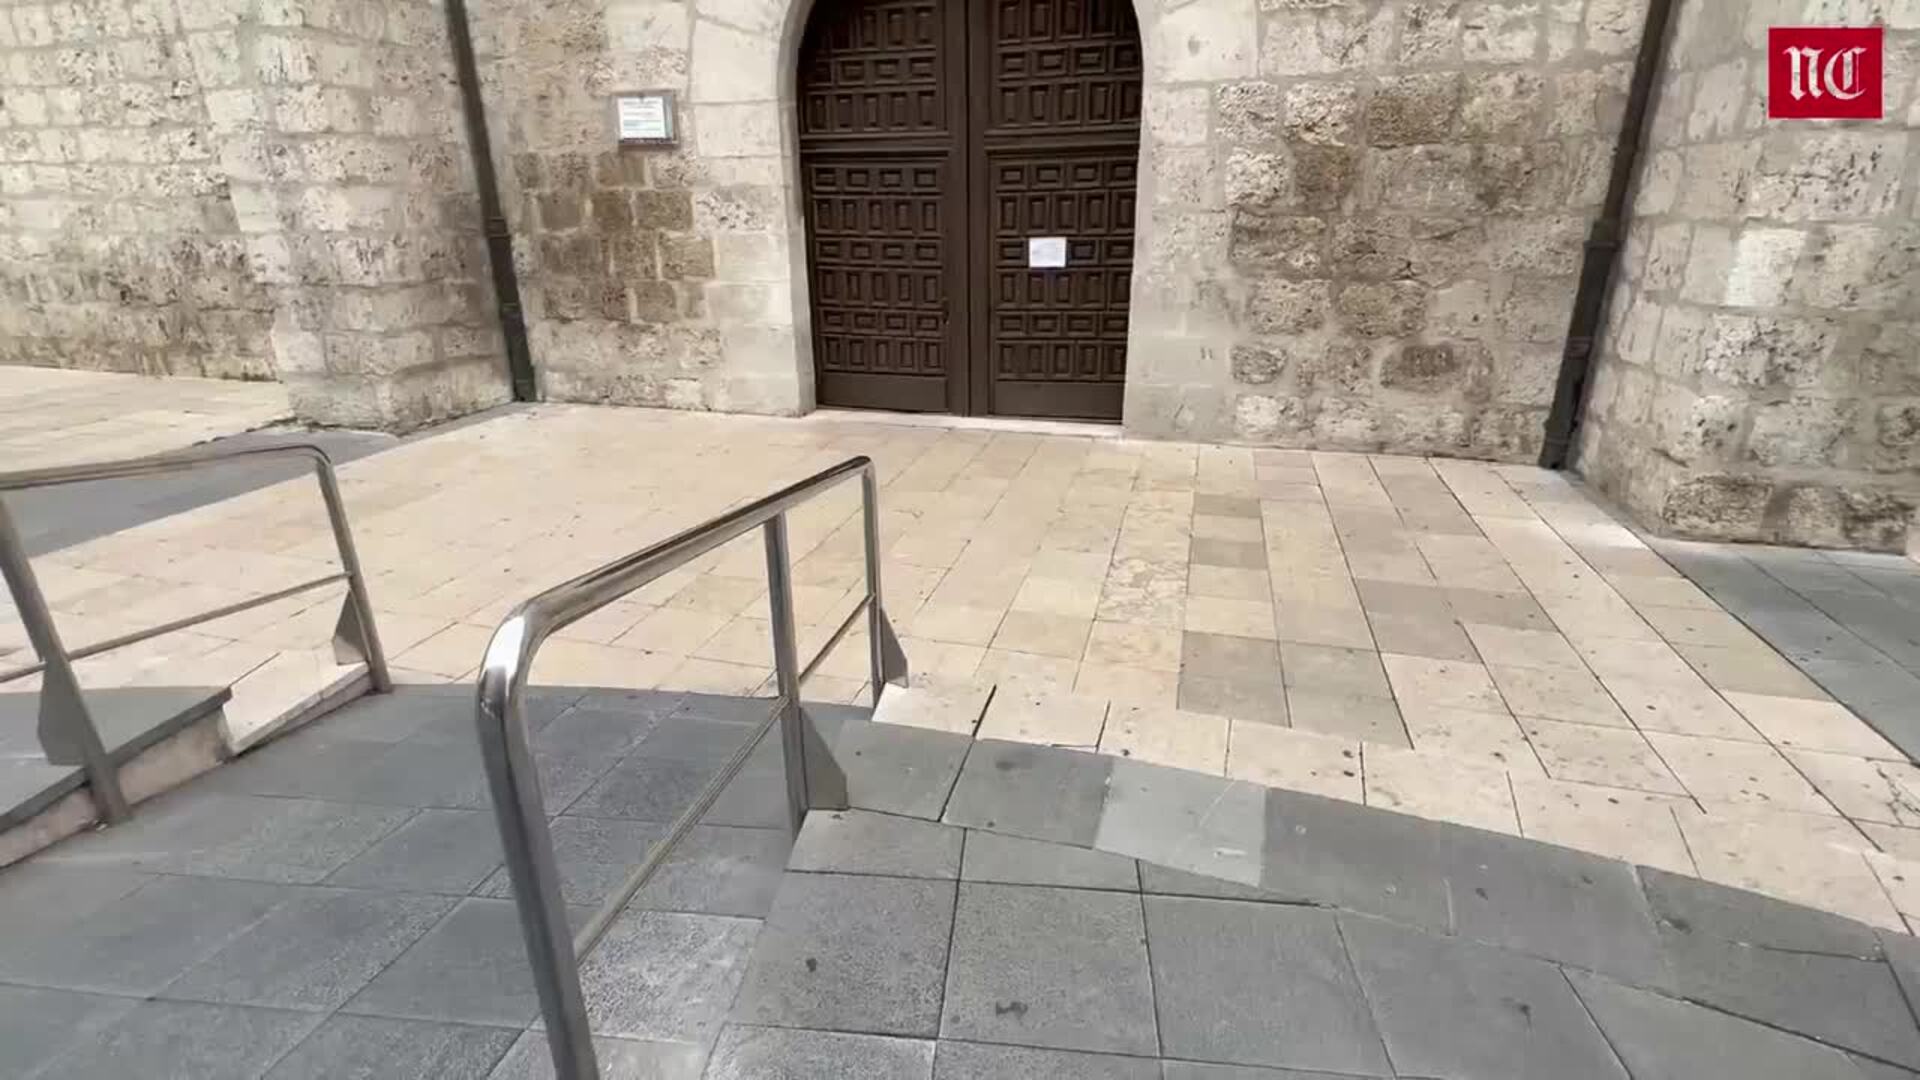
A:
1421	367
1548	245
1323	113
1169	114
1511	179
1462	310
1256	365
1863	268
1874	518
1412	109
1421	178
1324	176
1760	271
1612	27
1259	180
733	65
1827	174
1503	106
1382	309
1589	102
1770	351
1205	41
1536	309
1325	41
1500	33
1248	113
1341	366
1184	177
663	209
1374	248
1347	423
1717	507
1897	436
1263	241
1266	417
1287	307
1429	31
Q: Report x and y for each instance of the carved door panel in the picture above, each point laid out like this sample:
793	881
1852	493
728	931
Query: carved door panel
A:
936	138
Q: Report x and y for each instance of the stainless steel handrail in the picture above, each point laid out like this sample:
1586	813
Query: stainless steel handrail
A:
553	950
65	722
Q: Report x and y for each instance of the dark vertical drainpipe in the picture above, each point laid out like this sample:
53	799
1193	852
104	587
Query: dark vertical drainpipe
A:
506	284
1603	245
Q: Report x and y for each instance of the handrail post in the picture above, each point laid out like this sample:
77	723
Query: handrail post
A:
360	602
786	669
64	716
876	618
520	811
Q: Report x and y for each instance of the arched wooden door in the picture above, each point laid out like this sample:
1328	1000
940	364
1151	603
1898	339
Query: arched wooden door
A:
939	140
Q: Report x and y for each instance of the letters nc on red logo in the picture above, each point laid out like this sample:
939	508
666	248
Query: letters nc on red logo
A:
1825	72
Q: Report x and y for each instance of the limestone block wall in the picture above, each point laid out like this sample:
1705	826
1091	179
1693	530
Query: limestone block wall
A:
1368	217
247	188
1760	375
119	249
653	276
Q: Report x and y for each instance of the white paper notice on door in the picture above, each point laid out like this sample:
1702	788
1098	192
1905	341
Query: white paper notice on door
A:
1046	252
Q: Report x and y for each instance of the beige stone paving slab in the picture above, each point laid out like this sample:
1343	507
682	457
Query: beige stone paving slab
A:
1046	634
1700	626
1229	582
452	652
1073	598
1348	715
1887	792
1010	667
1161	736
673	630
1153	648
584	663
1437	637
1806	860
1493	738
1636	826
1505	646
292	682
1805	724
1903	843
1240	618
1680	708
1900	879
1558	694
1441	682
1128	685
1343	627
1024	714
1439	788
943	659
1726	771
1609	757
1630	658
744	640
1753	670
1297	760
959	624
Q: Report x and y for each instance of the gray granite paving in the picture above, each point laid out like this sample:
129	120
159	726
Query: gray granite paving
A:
762	1053
1063	968
619	1059
1660	1037
981	1061
666	975
848	953
1037	792
863	842
185	1039
394	1049
1011	860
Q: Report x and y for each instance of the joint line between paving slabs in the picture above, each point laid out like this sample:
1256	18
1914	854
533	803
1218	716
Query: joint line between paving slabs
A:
1373	1013
1146	948
1605	1039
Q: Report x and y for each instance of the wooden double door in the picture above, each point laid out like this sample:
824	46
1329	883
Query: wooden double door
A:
969	170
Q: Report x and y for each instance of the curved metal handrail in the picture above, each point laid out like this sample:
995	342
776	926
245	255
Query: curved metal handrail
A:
64	714
553	950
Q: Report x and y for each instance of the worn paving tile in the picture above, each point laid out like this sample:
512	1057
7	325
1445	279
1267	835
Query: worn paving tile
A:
40	897
1609	757
1190	1070
1750	669
1022	714
401	1049
178	1038
898	770
1227	656
1128	686
594	856
620	1059
1364	860
983	1061
666	975
1689	708
1492	738
1044	633
1452	1008
1441	788
1183	819
1010	860
1046	967
143	941
472	967
851	954
1258	698
1837	999
1322	624
861	842
1658	1036
1350	716
1441	682
1508	647
1865	791
1257	984
1171	737
952	707
1636	826
751	1053
1239	617
37	1024
1685	906
1299	760
1250	555
1805	858
1804	724
1037	792
1510	608
312	952
1227	581
1573	697
1721	771
1344	671
1436	637
1155	648
438	851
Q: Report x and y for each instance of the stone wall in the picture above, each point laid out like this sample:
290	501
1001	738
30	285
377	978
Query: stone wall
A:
118	246
246	188
653	276
1369	217
1760	375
